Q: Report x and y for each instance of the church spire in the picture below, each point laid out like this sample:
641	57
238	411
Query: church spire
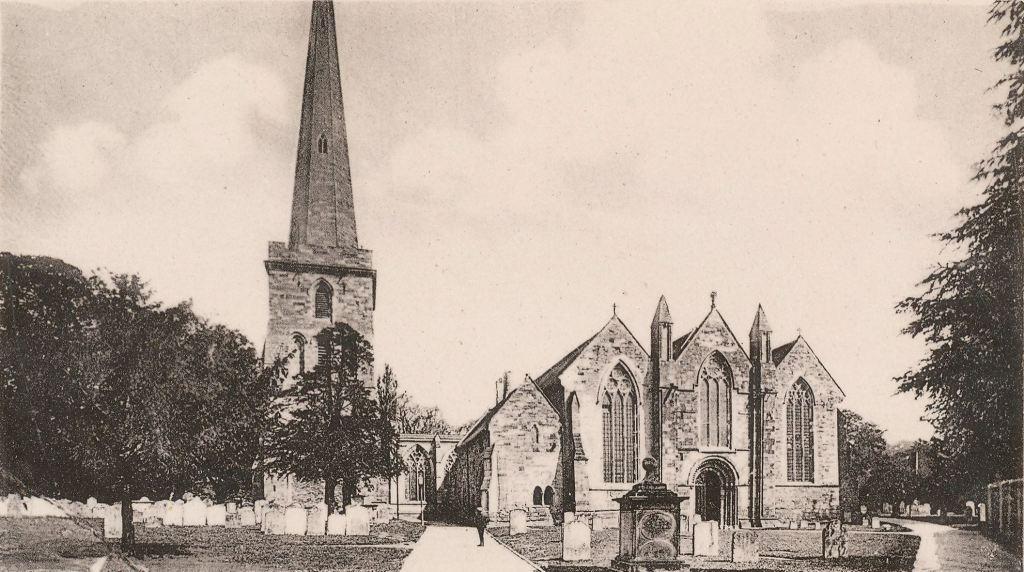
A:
322	210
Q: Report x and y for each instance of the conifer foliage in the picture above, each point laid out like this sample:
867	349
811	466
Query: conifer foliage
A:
971	310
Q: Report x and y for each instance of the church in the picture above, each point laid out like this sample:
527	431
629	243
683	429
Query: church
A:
746	432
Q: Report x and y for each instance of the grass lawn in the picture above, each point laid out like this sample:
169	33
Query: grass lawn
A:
66	544
781	550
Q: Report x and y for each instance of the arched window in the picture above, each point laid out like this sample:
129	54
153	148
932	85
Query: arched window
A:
416	478
321	144
538	496
300	351
322	305
800	433
618	426
714	384
549	496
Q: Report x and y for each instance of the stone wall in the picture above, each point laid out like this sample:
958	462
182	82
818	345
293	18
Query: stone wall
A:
783	499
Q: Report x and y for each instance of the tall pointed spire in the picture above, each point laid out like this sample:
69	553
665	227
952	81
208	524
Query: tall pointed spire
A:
322	209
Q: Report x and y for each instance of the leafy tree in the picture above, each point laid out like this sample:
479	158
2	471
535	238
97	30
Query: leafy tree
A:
388	400
861	452
329	426
971	310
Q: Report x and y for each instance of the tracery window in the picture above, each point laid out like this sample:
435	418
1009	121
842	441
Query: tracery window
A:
619	426
714	384
416	478
800	433
322	303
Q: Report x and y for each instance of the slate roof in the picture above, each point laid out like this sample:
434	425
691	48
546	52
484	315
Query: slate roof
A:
550	376
780	353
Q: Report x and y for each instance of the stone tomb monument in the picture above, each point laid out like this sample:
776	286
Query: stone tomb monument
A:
649	523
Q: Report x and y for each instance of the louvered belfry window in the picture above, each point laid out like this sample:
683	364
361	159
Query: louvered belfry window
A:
714	386
323	301
619	429
800	433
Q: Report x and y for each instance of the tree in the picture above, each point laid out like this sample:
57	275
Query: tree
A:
971	311
861	452
328	424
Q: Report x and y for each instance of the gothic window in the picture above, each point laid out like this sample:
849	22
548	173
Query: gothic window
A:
416	478
714	384
800	433
538	496
323	350
300	351
322	303
619	428
321	144
549	496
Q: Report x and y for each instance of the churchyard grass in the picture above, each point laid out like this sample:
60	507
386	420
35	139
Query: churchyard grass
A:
60	543
782	550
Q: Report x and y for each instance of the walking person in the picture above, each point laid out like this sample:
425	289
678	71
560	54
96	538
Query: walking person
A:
480	520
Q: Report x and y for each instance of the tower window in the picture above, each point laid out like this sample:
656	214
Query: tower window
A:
322	302
321	144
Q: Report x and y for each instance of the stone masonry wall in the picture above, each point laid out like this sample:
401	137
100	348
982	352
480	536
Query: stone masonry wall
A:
783	499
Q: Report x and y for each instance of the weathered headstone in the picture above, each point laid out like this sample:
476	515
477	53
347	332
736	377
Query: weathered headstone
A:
745	547
233	520
112	523
358	521
887	508
246	516
575	541
194	512
295	520
969	509
705	538
926	509
982	512
316	520
804	524
833	540
337	524
793	525
516	522
876	522
259	508
90	502
231	507
216	515
175	515
99	510
274	521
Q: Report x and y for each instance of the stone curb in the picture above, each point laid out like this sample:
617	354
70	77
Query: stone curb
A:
532	564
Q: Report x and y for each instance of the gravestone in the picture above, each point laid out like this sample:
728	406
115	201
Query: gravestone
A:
804	524
316	520
358	520
745	547
833	540
153	517
970	510
295	520
847	516
274	521
705	538
649	524
568	517
982	512
926	509
793	525
876	522
175	515
887	509
516	522
216	515
99	510
575	541
194	513
247	516
112	523
337	524
231	507
259	508
90	502
903	508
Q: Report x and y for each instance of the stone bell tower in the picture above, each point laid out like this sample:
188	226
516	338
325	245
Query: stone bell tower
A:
321	276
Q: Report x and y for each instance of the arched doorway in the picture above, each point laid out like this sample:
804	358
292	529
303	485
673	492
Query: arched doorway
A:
715	492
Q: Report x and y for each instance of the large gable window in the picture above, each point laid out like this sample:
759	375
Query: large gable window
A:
714	384
800	433
322	302
618	426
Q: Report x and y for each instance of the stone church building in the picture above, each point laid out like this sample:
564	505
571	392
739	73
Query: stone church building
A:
747	432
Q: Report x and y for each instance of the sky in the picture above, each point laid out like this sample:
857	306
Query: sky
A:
519	169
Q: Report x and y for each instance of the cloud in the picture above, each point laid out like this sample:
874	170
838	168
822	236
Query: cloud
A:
177	201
